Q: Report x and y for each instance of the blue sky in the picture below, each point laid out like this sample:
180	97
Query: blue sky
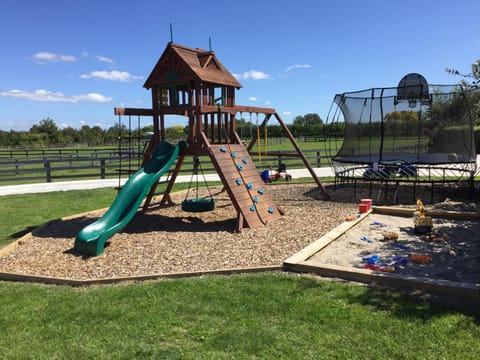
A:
73	61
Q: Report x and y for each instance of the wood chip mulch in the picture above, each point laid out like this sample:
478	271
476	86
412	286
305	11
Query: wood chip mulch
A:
168	240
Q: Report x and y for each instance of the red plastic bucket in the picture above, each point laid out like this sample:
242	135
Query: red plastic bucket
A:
367	202
362	208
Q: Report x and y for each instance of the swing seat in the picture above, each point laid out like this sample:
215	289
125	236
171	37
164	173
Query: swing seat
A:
198	205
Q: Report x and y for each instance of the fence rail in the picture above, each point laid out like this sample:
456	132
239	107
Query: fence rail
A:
109	163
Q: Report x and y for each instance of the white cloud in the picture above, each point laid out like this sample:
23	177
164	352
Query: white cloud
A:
298	66
252	74
104	59
268	102
44	57
252	98
287	113
92	97
114	75
52	96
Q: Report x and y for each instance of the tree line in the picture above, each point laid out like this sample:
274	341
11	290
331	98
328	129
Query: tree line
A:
47	133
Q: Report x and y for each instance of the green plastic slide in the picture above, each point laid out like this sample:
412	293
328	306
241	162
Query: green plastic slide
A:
91	239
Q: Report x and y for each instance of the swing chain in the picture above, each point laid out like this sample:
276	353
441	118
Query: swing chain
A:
195	173
196	164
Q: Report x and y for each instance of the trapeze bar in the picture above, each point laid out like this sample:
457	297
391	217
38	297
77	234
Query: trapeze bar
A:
254	109
133	111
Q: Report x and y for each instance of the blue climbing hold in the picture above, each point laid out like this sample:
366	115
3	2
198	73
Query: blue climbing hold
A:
239	166
255	199
245	160
249	186
239	181
234	154
270	210
223	149
252	208
260	191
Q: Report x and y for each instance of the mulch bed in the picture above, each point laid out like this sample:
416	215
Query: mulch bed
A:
168	240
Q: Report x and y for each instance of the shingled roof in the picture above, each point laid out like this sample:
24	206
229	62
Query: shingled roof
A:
190	64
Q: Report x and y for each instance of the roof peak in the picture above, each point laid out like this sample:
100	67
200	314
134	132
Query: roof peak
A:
197	50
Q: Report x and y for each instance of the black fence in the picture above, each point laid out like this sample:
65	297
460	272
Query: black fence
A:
29	166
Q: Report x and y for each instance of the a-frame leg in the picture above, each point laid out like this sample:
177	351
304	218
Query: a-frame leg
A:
287	132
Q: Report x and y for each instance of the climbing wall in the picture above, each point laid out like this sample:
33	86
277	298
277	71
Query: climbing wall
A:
244	185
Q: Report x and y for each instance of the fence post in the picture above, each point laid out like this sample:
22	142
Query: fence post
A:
48	170
319	159
102	169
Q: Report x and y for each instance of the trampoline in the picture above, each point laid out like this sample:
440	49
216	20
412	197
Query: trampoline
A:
414	132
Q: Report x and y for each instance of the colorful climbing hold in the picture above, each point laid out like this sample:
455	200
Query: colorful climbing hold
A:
234	154
252	208
270	210
255	199
239	166
223	149
245	160
239	181
249	186
260	191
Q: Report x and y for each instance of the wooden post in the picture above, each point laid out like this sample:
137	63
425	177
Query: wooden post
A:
48	170
156	121
102	169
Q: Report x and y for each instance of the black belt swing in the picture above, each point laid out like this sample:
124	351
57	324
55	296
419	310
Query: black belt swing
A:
198	204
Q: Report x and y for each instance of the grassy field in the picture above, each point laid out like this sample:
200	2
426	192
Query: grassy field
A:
263	316
270	316
22	213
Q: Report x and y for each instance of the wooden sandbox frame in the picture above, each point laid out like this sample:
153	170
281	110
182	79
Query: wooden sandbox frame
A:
299	262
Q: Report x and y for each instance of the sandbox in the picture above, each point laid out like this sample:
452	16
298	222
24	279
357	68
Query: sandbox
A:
361	250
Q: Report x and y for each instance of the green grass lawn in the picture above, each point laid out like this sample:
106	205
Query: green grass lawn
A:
22	213
262	316
269	316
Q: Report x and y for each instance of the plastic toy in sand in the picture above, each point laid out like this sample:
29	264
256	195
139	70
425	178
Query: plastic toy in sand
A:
420	258
374	262
422	223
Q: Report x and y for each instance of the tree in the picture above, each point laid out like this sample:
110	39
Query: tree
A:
49	128
174	132
469	79
69	136
307	125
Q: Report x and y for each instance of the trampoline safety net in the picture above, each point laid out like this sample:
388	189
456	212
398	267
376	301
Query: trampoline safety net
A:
414	131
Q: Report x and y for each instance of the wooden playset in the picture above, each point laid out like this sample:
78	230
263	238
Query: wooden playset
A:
194	83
